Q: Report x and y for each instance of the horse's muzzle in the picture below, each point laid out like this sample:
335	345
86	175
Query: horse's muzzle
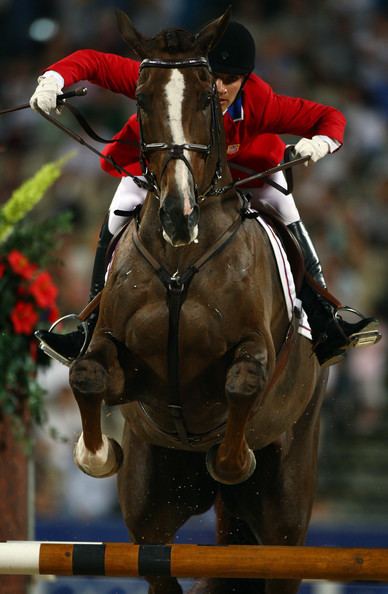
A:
178	228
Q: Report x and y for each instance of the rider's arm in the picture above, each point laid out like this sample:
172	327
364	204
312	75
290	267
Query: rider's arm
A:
110	71
268	111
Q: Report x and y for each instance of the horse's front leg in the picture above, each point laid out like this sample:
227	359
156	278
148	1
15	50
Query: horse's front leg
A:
95	454
233	462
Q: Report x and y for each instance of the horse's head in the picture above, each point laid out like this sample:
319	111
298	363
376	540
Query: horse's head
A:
180	121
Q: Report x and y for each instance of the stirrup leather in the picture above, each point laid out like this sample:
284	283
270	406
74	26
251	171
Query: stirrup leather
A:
50	352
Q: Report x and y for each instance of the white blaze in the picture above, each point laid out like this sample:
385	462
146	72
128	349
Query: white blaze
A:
174	92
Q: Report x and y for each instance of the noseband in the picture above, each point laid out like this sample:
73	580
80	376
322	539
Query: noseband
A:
176	151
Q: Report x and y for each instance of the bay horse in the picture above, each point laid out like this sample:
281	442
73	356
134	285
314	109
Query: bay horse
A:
191	333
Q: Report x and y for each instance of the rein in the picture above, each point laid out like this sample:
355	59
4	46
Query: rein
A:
176	151
286	167
60	100
139	182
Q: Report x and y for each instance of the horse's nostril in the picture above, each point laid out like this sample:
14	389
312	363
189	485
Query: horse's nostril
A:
165	217
180	228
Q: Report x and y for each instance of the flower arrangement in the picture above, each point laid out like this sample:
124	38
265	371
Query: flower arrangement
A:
28	296
32	291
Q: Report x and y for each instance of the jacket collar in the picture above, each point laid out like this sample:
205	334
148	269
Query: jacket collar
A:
236	110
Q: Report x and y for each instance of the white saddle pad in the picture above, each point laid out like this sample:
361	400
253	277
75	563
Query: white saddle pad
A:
287	280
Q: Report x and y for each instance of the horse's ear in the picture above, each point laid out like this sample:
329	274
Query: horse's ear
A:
130	35
210	34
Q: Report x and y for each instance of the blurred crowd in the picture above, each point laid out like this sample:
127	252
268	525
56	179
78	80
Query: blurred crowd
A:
331	51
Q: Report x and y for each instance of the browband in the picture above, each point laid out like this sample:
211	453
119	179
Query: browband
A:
185	63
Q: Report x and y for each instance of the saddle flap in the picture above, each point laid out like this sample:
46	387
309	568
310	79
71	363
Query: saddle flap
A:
288	241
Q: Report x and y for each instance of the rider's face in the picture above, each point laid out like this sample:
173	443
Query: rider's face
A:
228	87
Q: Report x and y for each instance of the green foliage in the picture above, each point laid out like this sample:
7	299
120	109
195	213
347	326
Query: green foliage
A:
25	197
39	240
28	296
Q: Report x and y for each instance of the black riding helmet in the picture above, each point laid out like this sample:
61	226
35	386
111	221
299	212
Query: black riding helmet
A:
235	52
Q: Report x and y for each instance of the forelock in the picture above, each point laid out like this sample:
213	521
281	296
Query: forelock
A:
175	41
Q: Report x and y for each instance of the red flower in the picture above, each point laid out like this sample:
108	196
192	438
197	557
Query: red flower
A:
24	318
22	291
20	264
2	269
44	290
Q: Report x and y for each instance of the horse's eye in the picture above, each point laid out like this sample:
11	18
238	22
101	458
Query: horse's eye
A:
204	100
142	100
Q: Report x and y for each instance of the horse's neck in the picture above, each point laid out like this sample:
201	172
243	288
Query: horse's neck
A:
217	214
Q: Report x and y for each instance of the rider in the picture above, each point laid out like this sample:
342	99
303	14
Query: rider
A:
253	115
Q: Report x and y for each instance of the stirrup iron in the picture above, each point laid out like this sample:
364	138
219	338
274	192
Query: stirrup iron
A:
366	337
50	352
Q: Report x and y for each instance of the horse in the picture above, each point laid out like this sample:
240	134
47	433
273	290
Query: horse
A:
220	397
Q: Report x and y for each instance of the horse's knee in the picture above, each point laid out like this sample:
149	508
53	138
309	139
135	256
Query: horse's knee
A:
246	378
88	377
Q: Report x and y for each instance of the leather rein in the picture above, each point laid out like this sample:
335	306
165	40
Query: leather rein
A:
176	151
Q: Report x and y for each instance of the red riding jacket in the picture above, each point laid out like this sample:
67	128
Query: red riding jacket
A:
252	123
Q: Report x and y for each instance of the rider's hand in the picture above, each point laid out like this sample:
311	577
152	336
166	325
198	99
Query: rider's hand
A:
46	93
315	148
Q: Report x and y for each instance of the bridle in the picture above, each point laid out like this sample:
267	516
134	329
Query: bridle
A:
176	151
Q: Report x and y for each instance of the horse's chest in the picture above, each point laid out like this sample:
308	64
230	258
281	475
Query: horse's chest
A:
200	329
209	323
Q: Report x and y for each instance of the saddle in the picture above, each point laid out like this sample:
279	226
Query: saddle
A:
289	243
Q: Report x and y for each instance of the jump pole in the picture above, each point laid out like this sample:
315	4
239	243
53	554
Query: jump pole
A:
233	561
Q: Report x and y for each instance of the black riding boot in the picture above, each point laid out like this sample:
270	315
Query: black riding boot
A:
67	347
332	335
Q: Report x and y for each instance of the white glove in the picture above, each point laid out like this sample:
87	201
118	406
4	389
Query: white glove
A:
315	148
46	93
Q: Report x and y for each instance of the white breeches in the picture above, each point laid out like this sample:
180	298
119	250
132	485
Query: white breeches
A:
284	205
128	195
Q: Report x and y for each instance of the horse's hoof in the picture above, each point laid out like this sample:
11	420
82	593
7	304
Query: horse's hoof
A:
227	477
101	464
